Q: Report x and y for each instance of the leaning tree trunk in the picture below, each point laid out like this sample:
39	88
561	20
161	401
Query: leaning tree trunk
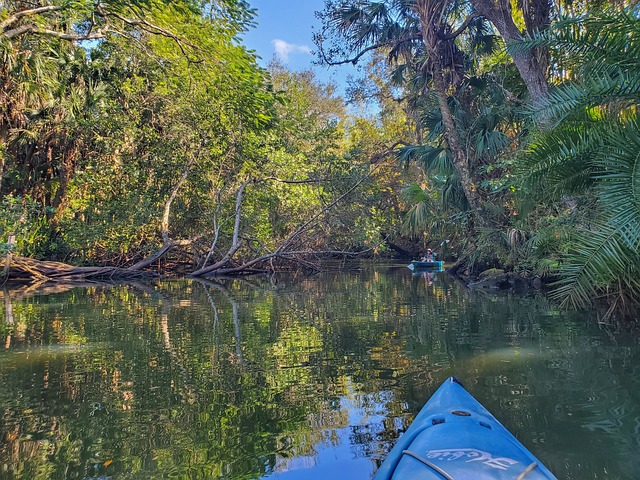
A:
460	160
167	242
530	64
235	245
283	251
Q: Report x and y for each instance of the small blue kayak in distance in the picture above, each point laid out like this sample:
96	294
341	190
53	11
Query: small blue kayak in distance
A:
418	264
455	437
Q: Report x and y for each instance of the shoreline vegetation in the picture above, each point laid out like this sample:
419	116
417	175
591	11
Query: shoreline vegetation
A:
141	138
32	274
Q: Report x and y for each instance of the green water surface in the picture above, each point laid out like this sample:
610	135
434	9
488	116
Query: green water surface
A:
299	377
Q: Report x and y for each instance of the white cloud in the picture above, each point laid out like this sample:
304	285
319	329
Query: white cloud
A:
284	49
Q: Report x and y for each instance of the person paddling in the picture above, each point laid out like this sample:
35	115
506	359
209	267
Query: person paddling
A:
430	256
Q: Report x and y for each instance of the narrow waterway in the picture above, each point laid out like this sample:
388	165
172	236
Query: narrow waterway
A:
299	378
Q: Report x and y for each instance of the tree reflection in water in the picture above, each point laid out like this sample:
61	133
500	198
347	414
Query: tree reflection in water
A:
303	378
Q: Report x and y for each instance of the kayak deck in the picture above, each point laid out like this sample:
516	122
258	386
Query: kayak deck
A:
455	437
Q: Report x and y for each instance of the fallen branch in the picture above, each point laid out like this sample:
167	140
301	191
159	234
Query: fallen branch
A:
167	242
23	269
281	252
305	226
235	246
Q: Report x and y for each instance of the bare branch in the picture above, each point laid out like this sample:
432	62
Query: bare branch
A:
289	255
326	252
509	95
90	34
167	242
172	197
97	35
305	226
236	235
156	30
353	60
276	179
356	59
27	13
18	31
216	231
460	29
279	252
377	158
151	258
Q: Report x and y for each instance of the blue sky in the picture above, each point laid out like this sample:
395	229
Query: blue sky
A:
285	29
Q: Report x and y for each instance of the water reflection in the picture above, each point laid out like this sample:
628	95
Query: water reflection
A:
299	378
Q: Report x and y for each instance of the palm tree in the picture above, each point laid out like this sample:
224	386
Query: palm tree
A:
421	34
594	151
27	79
487	125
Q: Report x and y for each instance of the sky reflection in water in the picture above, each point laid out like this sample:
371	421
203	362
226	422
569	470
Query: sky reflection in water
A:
299	378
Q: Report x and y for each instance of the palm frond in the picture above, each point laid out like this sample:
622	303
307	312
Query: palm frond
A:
594	150
561	162
420	214
452	194
619	182
599	259
606	38
414	193
432	159
546	267
489	143
417	219
597	90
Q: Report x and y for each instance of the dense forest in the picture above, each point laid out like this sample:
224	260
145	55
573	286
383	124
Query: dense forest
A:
143	135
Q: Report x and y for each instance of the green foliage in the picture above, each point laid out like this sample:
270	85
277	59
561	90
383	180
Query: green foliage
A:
109	133
95	140
437	160
594	151
489	126
117	124
23	218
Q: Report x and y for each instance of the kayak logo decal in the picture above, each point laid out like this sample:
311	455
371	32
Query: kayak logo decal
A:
474	455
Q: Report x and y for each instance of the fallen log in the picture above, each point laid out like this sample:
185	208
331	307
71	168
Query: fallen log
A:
24	269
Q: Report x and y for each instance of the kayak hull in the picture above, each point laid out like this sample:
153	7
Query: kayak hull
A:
454	436
417	264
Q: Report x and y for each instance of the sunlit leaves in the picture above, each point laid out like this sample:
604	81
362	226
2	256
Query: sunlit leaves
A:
594	151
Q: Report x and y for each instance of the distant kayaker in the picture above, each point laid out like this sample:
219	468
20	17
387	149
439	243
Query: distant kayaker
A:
430	256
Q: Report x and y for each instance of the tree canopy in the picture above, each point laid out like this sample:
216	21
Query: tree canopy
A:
143	134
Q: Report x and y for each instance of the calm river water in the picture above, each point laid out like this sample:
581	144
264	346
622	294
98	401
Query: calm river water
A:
299	378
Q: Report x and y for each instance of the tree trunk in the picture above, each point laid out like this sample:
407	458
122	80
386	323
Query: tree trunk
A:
235	246
531	66
460	160
167	242
65	173
4	131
